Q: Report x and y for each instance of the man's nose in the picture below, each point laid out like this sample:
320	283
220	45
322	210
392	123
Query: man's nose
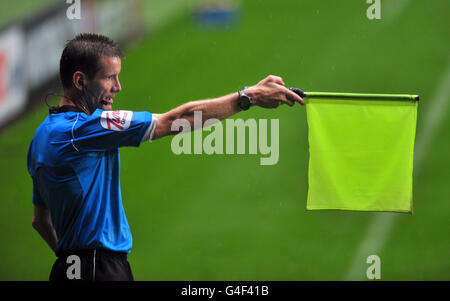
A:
117	87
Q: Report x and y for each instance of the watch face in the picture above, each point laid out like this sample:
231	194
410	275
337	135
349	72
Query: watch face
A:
244	101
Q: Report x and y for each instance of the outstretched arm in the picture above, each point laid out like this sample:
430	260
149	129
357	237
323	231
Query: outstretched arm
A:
42	223
268	93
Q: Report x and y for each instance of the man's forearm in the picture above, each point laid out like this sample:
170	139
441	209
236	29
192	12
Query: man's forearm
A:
219	108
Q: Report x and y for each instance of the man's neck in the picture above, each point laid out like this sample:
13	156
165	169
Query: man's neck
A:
66	102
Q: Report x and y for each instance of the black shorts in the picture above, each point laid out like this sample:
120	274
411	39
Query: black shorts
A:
91	265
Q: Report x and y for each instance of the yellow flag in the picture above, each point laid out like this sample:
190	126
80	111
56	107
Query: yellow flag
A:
361	149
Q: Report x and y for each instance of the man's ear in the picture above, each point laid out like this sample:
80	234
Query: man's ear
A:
78	80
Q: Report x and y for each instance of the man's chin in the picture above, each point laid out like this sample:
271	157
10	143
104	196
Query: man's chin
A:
107	107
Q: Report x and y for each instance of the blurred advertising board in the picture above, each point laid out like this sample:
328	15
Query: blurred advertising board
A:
46	36
12	80
31	49
48	33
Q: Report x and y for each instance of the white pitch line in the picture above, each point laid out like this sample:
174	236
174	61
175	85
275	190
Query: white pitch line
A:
381	224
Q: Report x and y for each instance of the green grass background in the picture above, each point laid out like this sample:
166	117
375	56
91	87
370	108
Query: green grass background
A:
226	217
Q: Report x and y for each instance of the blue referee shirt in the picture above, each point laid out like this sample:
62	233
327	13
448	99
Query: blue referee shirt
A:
74	162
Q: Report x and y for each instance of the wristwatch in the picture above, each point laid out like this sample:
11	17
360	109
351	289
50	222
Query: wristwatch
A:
244	101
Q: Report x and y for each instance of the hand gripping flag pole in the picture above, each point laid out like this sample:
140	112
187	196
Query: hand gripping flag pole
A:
361	150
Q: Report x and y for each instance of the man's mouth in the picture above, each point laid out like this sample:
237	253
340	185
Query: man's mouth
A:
107	101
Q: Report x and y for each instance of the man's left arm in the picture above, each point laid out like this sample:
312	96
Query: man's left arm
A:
268	93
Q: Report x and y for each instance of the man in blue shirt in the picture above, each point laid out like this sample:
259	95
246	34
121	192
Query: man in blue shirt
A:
74	163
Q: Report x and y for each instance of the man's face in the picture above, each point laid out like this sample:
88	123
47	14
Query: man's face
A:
106	83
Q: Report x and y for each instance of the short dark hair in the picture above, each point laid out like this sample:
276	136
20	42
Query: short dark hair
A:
83	54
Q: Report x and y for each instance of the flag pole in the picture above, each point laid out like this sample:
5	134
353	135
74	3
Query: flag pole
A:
368	96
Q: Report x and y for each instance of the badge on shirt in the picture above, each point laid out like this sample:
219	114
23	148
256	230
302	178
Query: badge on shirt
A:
116	120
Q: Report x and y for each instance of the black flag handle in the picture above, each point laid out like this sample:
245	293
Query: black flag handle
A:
298	91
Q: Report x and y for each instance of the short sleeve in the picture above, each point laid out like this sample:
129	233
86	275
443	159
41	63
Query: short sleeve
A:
110	129
37	200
